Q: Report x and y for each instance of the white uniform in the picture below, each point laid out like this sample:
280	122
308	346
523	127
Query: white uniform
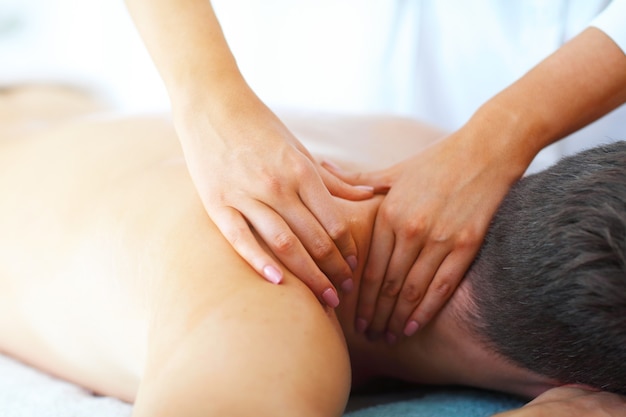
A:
436	60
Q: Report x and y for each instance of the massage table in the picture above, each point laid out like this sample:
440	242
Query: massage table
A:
27	392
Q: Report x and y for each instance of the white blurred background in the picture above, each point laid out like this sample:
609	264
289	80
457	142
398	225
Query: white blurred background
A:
350	56
309	53
92	43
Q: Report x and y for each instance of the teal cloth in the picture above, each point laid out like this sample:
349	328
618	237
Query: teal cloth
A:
452	403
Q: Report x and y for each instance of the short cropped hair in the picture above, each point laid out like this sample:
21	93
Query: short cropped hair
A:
548	287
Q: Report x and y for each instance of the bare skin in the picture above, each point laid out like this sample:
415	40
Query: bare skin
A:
267	180
112	276
570	401
440	201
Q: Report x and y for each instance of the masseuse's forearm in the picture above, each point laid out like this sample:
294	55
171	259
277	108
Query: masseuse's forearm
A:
188	47
579	83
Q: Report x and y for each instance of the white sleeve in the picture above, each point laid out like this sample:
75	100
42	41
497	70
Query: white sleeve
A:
612	21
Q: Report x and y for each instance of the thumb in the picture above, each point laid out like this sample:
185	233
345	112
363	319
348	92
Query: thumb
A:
340	188
380	181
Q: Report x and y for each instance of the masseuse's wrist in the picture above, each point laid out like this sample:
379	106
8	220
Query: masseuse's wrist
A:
217	99
210	90
508	133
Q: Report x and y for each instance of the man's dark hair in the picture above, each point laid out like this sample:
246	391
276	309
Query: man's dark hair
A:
548	287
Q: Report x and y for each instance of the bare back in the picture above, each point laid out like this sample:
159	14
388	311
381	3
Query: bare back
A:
104	243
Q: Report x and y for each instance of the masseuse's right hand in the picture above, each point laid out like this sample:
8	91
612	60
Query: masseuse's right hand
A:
252	173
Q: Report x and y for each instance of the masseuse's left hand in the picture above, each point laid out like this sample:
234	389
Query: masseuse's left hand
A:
571	402
428	230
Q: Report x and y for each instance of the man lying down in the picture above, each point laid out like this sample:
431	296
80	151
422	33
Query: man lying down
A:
113	277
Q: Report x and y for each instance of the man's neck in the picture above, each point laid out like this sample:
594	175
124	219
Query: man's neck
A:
442	353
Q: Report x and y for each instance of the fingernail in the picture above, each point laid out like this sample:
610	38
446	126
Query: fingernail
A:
361	325
352	262
347	285
330	297
411	328
365	188
272	274
391	338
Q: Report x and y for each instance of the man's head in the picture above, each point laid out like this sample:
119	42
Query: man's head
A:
548	288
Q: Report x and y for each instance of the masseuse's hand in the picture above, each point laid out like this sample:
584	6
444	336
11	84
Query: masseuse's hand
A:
251	172
428	230
433	220
571	402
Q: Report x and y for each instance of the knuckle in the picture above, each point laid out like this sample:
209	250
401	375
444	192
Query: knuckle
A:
338	230
442	289
389	212
322	248
236	236
440	235
273	184
301	167
468	238
284	242
411	293
390	288
414	228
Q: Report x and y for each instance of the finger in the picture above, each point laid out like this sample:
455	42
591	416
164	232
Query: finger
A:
418	279
380	180
342	189
319	245
236	230
282	241
324	208
404	254
373	273
445	281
